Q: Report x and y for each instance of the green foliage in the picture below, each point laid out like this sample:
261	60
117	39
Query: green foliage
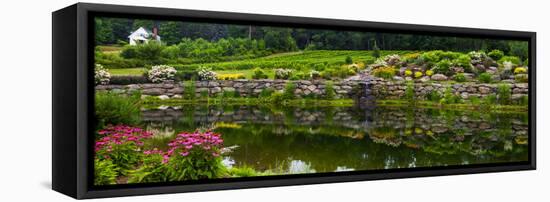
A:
369	60
349	60
504	94
277	97
111	108
519	49
463	61
433	96
329	90
259	74
105	172
288	92
449	97
150	51
460	77
384	72
199	164
266	92
496	54
189	90
409	92
485	78
123	156
151	170
244	171
513	59
443	67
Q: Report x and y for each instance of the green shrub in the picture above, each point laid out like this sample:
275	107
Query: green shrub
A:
243	172
485	78
443	67
147	51
369	60
329	90
266	92
489	100
288	93
189	90
259	74
111	108
277	97
384	72
504	94
496	54
152	170
449	97
105	172
460	77
349	60
434	96
464	61
513	59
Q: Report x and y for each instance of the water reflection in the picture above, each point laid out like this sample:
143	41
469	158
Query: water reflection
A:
328	139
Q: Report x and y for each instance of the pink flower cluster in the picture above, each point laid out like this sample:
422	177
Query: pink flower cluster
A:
184	143
120	134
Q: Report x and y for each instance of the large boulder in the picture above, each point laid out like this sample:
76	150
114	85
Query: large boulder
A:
439	77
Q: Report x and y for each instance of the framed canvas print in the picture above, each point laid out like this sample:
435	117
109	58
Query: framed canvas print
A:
156	100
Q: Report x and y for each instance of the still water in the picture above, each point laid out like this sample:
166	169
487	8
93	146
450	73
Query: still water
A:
328	139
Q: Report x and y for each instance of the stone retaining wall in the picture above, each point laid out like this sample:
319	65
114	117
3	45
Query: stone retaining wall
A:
379	88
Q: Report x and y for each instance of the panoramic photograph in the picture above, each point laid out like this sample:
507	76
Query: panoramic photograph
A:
184	101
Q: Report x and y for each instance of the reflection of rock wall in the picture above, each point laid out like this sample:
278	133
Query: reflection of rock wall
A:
415	121
344	89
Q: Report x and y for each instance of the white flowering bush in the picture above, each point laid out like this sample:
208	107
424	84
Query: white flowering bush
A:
477	56
206	74
282	73
314	74
392	59
508	65
101	75
161	73
379	63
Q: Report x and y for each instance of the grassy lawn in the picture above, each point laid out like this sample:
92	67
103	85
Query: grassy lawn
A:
294	60
127	72
109	48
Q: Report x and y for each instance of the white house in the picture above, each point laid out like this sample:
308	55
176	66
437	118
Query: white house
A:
142	35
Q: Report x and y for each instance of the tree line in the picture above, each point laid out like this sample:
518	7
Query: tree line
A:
280	39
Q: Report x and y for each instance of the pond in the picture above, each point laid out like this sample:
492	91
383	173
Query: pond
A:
328	139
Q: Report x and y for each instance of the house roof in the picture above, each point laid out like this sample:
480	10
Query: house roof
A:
141	33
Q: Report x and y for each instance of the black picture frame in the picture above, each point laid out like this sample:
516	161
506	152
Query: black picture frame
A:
73	88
